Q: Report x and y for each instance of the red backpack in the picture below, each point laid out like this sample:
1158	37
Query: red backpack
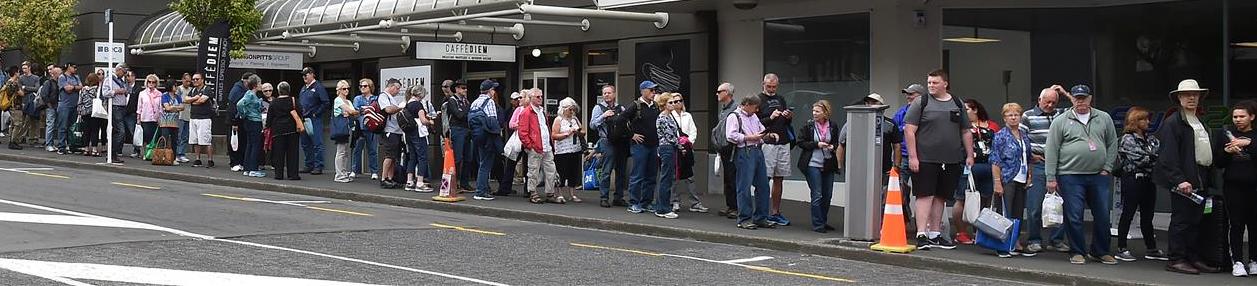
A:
373	118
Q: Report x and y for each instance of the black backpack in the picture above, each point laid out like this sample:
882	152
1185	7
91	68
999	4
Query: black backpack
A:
618	131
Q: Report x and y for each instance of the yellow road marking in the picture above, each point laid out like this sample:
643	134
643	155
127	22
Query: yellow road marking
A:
48	175
135	186
813	276
338	211
615	249
751	267
224	197
472	230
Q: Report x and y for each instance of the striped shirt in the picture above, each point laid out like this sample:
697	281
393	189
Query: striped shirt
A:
1035	122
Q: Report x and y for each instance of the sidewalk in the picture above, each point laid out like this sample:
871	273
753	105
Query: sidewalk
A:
1051	268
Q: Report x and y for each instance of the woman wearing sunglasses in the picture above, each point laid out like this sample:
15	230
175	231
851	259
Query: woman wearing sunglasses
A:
149	108
669	135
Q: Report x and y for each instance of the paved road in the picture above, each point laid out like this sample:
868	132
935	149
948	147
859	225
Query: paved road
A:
80	227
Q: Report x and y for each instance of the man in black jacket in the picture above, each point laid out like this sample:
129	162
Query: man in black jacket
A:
49	92
456	107
641	116
1185	166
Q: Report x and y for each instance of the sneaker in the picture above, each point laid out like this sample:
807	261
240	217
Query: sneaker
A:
963	238
676	207
1124	255
424	189
765	224
375	177
133	155
618	203
747	225
779	219
699	208
1238	270
1077	259
1033	248
259	174
316	172
1061	247
50	149
942	243
196	163
1157	254
237	168
353	175
484	197
923	243
635	209
1002	254
604	203
183	159
344	180
1107	260
669	215
1252	267
410	187
210	164
649	208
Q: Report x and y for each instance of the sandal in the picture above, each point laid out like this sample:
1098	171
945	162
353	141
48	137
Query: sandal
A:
575	199
535	198
551	198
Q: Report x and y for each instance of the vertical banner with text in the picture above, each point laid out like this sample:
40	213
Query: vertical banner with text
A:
213	58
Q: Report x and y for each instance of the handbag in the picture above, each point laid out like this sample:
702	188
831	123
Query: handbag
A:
1053	210
590	178
268	139
75	136
98	109
974	206
1002	245
993	223
340	128
148	148
162	155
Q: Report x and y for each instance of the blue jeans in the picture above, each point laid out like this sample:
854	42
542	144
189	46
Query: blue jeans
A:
1034	210
66	115
613	161
645	171
121	130
181	145
752	172
365	143
50	126
1087	191
668	175
252	138
312	145
417	156
462	153
822	185
486	145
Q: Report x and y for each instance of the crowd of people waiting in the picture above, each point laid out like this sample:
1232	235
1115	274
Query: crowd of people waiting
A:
1073	152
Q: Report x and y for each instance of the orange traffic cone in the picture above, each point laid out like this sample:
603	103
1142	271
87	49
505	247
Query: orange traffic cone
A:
894	238
447	194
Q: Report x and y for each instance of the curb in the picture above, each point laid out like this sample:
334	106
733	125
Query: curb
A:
842	249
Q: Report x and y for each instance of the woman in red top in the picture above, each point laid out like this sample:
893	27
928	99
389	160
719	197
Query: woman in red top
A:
983	130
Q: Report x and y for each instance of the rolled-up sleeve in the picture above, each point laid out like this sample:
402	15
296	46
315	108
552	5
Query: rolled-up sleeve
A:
732	133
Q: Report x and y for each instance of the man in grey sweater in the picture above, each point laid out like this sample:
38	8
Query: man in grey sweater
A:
1081	147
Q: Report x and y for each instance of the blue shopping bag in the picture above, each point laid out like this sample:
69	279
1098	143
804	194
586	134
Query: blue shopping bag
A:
994	243
590	176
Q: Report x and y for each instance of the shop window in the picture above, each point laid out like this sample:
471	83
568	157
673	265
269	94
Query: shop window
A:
602	57
818	58
549	57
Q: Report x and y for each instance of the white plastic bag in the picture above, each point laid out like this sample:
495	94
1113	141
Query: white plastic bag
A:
98	109
1053	210
137	137
513	146
235	141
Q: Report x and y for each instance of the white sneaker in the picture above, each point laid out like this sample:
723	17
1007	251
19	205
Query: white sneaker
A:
237	168
1237	270
184	159
375	177
50	149
1252	267
353	175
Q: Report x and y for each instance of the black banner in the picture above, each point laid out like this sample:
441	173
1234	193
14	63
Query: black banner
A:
213	58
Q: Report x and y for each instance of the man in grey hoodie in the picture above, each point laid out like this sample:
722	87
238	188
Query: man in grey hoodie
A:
1081	148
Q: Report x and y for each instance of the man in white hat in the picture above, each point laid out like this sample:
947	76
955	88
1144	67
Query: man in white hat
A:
1185	164
890	136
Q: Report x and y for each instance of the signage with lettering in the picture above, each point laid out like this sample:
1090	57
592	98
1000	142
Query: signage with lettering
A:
212	59
409	76
464	52
104	50
269	61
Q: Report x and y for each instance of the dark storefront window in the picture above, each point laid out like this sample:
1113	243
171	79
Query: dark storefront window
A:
818	58
1130	54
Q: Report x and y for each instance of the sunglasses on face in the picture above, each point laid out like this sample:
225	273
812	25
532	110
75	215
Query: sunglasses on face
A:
364	86
674	102
267	90
342	88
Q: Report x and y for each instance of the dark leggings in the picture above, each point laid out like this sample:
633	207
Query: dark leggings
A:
92	128
1238	195
285	156
1138	194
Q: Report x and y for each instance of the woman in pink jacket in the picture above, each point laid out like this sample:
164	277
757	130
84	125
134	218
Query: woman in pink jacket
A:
148	109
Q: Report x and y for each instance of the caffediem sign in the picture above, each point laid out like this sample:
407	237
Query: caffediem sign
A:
464	52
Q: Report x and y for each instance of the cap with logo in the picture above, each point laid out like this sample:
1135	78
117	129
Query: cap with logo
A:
1081	90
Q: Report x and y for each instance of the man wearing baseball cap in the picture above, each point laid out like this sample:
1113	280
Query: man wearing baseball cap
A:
890	137
487	142
455	109
1081	148
645	142
314	102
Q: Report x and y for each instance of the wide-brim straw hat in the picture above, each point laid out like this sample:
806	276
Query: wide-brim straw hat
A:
1188	85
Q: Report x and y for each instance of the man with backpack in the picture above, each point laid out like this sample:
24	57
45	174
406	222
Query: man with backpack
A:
641	117
936	135
48	91
391	142
486	135
11	95
612	143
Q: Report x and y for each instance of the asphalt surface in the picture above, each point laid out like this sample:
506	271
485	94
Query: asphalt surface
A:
61	226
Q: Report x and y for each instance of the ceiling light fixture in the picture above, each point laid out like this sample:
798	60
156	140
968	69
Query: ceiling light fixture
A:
972	40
